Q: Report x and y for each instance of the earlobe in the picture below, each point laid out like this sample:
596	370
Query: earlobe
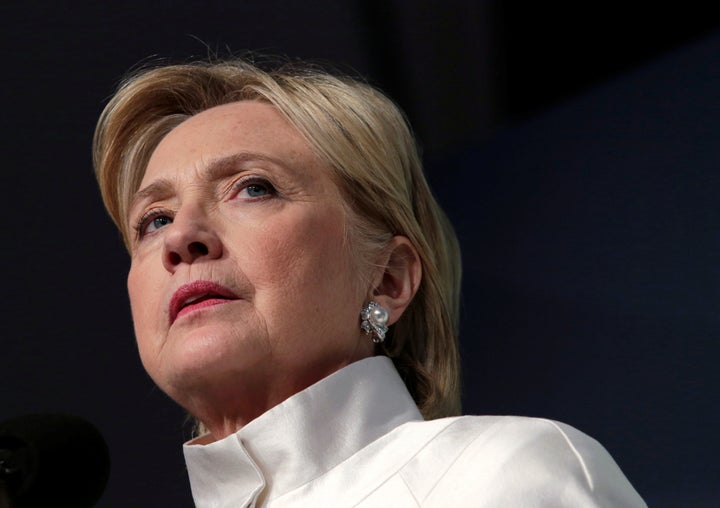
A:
399	279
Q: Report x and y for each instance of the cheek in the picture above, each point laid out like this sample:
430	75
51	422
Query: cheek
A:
143	293
297	260
310	252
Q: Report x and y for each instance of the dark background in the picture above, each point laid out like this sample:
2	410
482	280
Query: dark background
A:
574	146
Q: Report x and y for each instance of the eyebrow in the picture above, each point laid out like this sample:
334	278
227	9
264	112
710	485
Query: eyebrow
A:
159	189
215	170
222	167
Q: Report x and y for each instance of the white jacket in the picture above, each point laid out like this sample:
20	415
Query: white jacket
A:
356	438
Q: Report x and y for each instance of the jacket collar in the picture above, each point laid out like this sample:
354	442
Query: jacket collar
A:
302	438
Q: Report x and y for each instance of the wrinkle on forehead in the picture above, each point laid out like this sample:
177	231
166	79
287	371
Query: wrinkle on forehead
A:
259	134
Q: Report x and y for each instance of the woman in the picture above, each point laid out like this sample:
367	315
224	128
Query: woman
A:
294	286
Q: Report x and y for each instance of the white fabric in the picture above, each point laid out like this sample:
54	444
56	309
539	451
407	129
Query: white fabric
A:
356	438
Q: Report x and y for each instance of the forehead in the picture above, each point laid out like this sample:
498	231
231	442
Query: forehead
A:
223	131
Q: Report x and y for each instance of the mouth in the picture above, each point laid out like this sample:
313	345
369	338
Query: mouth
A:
197	295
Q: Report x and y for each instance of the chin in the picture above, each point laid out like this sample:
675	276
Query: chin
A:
205	358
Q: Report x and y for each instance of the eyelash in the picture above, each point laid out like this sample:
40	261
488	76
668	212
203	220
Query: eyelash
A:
239	186
143	222
244	183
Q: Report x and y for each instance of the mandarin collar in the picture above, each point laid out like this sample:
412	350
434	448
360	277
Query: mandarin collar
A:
301	438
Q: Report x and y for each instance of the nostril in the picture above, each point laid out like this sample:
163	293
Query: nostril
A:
198	249
178	252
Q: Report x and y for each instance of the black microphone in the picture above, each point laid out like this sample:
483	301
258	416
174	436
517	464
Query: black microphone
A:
51	460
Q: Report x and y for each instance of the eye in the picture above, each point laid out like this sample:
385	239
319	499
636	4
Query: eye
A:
254	188
152	221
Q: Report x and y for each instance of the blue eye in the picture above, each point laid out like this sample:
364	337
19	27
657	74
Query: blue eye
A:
152	221
159	222
255	188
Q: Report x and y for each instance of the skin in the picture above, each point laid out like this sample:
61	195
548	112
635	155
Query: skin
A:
234	195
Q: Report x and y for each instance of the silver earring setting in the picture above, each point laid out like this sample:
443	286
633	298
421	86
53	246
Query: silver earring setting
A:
374	321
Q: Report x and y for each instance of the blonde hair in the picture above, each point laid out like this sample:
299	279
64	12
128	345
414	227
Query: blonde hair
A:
358	132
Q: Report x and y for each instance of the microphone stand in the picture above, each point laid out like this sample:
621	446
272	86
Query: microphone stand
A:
4	496
7	472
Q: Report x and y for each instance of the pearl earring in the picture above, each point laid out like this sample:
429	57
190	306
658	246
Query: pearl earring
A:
374	321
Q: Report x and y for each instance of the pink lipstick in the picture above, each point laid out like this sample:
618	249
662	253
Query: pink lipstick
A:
196	295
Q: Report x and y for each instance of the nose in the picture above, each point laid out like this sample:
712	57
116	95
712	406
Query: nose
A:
189	239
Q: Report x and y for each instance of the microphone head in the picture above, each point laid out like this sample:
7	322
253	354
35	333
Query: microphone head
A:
53	460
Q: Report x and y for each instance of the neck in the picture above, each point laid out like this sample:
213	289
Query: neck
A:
225	408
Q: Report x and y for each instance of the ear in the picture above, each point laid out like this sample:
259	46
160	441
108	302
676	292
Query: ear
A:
398	277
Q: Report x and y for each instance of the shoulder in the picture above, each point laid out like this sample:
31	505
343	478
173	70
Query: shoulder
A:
517	460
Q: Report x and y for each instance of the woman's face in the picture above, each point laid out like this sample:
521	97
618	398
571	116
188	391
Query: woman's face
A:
242	288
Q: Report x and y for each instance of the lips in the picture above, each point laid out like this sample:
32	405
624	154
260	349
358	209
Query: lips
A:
196	295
